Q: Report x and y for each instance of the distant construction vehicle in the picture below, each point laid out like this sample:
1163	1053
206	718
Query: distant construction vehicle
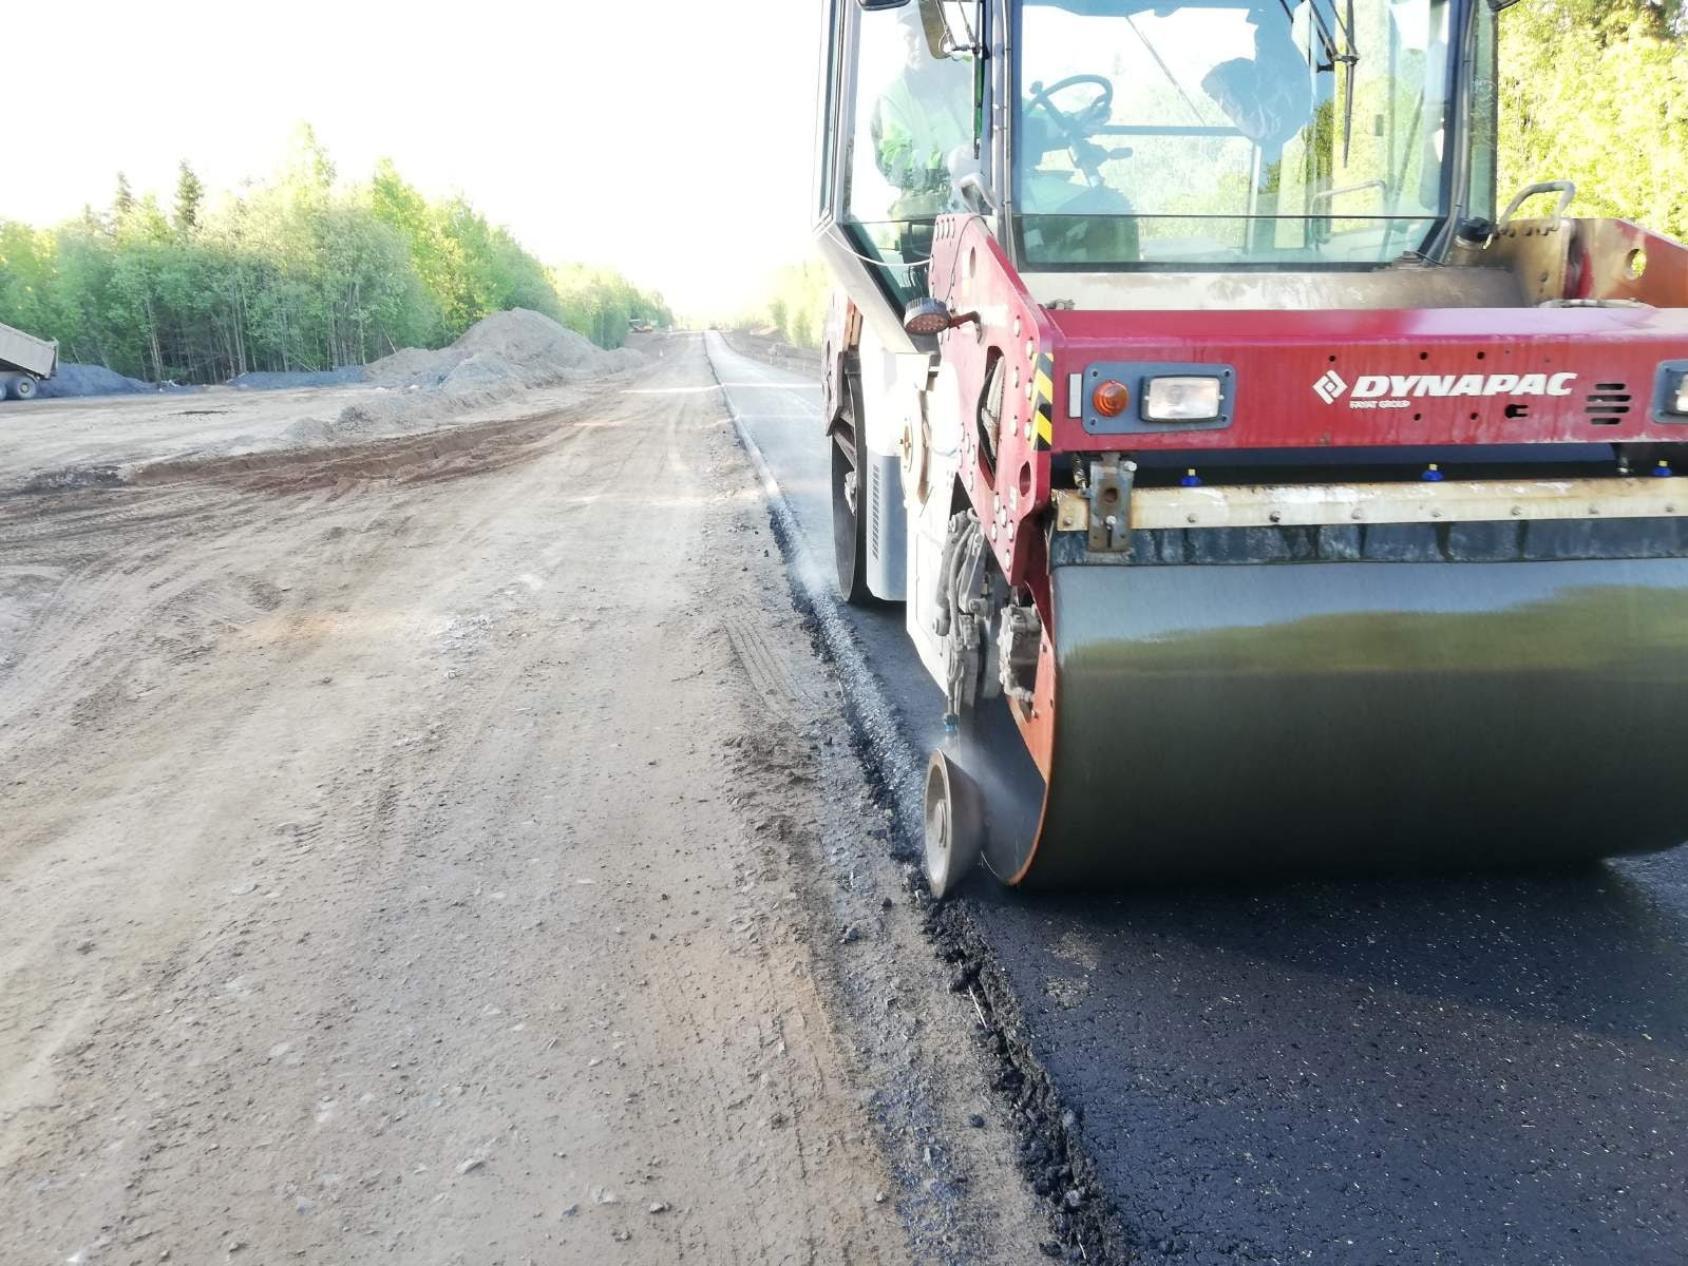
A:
24	361
1264	497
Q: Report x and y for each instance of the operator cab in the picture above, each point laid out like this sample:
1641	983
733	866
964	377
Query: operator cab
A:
1127	151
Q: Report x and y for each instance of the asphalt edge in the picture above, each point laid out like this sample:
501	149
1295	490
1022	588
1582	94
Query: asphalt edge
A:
1049	1152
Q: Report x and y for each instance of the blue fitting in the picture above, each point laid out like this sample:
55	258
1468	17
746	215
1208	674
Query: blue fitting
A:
1190	480
1433	474
1663	471
952	724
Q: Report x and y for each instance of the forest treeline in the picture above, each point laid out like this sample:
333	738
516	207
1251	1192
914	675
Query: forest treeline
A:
1593	91
299	272
799	304
1596	91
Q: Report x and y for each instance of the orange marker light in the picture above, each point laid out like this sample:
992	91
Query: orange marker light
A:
1111	399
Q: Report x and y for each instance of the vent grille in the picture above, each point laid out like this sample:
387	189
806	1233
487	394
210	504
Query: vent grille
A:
1609	403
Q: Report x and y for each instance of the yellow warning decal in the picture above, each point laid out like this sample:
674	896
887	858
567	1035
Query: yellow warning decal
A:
1044	413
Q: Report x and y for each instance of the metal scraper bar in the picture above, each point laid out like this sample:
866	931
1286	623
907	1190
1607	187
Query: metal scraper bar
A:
1329	505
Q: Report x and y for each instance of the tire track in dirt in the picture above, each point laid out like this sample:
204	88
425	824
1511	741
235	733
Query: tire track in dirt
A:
98	592
132	609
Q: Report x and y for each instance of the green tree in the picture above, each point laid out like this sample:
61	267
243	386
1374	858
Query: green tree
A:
299	272
1596	91
433	254
797	306
189	194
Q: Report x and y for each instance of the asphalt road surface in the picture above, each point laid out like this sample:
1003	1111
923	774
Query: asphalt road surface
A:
1478	1070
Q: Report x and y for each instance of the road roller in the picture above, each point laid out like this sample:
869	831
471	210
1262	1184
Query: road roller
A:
1268	491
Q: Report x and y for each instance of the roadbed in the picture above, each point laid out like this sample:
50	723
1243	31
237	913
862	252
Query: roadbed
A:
426	851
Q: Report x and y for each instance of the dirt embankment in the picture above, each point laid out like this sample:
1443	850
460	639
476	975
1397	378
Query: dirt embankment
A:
515	356
421	851
518	345
506	353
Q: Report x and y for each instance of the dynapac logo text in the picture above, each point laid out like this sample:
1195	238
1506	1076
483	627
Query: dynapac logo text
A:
1398	391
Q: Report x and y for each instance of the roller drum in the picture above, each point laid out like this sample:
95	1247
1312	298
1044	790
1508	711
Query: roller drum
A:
1214	722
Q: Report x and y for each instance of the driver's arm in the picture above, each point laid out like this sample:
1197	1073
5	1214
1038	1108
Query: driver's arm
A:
897	151
893	146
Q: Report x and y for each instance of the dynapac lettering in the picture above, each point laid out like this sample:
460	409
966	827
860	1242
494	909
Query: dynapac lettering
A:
1395	391
1420	386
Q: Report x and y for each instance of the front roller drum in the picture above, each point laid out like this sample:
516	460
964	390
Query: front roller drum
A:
954	825
1213	722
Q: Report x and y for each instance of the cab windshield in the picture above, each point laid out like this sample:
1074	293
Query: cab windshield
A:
1274	132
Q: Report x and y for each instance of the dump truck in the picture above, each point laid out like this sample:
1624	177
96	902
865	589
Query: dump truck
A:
24	362
1267	491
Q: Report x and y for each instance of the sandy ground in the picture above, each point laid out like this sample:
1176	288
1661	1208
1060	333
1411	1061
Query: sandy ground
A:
105	440
437	850
507	364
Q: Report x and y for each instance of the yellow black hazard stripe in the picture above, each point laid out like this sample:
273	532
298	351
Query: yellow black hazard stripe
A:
1043	403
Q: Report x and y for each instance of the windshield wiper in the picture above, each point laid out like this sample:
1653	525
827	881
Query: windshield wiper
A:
1334	57
1352	59
1164	68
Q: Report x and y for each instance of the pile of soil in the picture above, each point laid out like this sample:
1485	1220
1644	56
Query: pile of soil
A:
499	355
521	347
495	358
514	349
485	376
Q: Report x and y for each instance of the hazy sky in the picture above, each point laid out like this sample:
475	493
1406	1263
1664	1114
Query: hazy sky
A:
670	138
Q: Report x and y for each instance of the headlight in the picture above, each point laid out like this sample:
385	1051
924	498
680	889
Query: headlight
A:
1182	399
1676	393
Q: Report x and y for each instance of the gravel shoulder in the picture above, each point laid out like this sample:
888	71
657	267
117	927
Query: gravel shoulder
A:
447	851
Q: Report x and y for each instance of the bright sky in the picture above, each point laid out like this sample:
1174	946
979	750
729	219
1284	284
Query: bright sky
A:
671	139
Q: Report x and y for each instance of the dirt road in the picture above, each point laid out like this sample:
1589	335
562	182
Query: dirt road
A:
438	851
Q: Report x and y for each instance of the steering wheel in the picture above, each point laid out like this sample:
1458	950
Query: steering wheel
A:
1076	125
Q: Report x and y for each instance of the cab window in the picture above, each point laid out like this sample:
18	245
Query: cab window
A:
913	130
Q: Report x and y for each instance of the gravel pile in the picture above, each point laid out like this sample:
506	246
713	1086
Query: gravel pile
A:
495	358
519	348
268	380
89	380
